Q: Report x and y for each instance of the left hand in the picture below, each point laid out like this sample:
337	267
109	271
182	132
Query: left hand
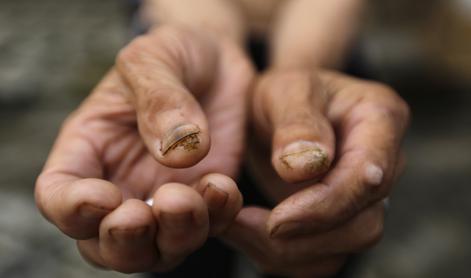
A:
337	211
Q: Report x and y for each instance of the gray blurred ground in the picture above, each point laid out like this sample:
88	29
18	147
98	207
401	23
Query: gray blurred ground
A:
52	52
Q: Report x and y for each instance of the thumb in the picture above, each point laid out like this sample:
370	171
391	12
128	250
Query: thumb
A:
290	107
165	70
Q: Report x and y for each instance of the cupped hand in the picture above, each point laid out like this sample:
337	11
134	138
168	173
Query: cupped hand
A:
335	153
176	97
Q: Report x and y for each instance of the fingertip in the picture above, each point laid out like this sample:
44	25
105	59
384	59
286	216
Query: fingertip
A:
222	191
222	198
81	205
132	214
177	198
183	221
127	236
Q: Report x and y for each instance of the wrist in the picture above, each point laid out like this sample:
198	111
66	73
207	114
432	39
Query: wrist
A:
218	18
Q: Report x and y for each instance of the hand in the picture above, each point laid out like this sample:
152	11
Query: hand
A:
170	92
338	208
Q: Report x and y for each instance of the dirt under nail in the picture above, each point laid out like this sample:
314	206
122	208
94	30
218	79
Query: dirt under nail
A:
188	143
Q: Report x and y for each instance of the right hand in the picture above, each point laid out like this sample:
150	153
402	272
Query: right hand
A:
170	92
335	154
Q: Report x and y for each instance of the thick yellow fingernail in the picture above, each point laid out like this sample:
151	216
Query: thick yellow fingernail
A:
305	155
183	136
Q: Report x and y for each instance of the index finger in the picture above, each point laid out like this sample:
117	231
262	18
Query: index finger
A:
370	120
70	192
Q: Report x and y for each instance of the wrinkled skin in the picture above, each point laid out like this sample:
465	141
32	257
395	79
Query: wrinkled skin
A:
107	161
322	215
328	188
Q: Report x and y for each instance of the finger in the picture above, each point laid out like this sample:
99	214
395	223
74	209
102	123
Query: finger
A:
75	205
223	199
127	238
290	106
90	251
248	234
183	222
70	191
164	70
371	121
357	235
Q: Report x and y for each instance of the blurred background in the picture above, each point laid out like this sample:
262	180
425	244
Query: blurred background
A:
53	52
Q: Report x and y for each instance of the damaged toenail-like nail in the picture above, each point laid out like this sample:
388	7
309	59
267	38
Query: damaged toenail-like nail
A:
183	136
305	155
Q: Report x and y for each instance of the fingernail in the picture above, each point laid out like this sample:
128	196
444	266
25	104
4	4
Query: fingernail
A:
125	235
373	175
176	221
89	211
287	229
183	136
215	197
305	155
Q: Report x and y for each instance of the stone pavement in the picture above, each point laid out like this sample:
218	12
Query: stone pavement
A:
52	52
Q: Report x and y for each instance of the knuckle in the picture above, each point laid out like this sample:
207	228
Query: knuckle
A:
159	38
382	111
386	101
73	119
132	51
